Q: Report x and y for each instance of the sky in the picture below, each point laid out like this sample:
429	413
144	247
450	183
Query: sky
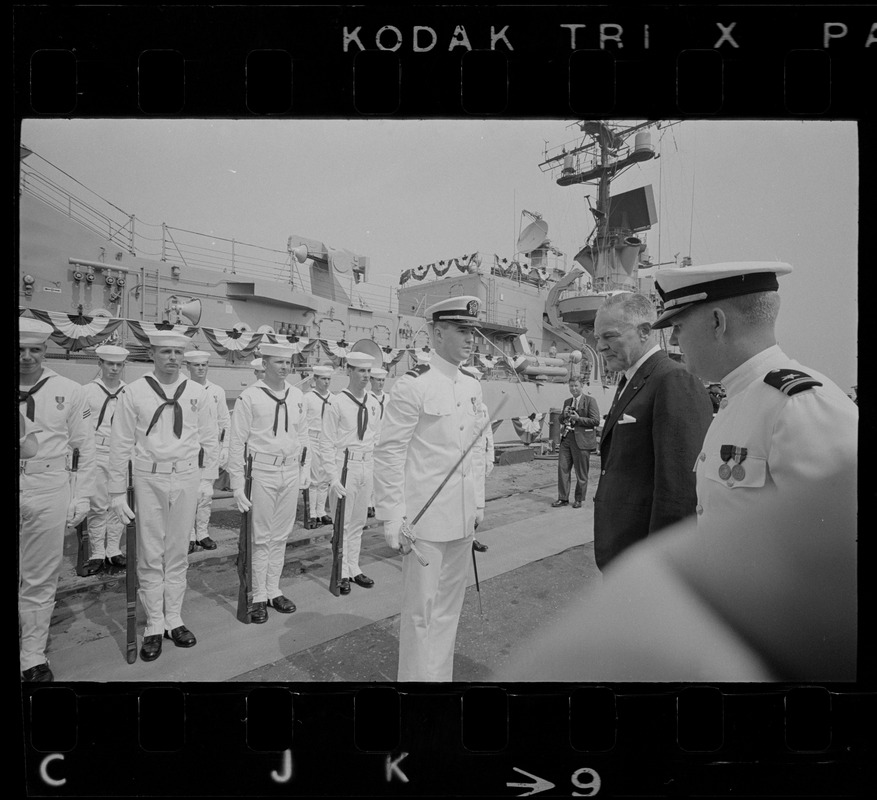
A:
410	192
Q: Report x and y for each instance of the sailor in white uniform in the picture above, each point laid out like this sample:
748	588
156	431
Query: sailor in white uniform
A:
258	369
316	402
50	498
269	424
352	426
430	420
781	424
377	379
104	526
161	423
197	362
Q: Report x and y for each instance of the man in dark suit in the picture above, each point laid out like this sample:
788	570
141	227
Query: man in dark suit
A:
577	441
652	434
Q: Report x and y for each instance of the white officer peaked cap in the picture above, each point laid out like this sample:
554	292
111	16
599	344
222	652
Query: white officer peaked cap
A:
197	356
169	339
110	352
256	363
33	331
360	360
379	372
282	350
462	310
323	371
682	287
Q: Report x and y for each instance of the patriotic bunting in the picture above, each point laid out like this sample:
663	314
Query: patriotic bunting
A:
337	351
529	428
75	331
142	330
233	344
392	356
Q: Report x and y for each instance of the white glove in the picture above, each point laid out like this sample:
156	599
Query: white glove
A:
119	504
205	490
304	478
391	533
479	516
77	511
338	488
240	497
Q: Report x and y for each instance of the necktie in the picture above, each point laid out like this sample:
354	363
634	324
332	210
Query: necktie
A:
173	402
361	416
281	401
325	403
109	396
618	390
27	398
381	401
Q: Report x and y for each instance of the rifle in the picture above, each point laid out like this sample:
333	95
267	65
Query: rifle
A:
131	575
338	534
306	494
82	539
245	553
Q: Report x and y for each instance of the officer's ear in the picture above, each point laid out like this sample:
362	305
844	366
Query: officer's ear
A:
718	322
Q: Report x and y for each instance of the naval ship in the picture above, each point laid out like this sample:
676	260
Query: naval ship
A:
100	275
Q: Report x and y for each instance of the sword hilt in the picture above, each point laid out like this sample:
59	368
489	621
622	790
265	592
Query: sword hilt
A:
406	531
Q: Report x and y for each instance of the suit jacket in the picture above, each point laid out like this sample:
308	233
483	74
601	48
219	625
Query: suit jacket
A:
589	419
647	478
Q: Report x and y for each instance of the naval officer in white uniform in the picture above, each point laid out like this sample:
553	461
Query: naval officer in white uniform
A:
352	424
781	425
430	420
198	363
50	499
269	423
104	526
161	424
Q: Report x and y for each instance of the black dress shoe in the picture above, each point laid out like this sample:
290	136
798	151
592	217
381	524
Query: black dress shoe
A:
344	584
206	543
116	562
259	613
559	503
364	581
371	511
151	648
191	547
38	674
283	604
93	566
182	636
577	504
478	547
326	520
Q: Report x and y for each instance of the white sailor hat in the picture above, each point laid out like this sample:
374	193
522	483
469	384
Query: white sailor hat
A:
359	360
682	287
284	350
256	363
197	356
109	352
379	372
169	339
422	356
323	371
33	331
463	310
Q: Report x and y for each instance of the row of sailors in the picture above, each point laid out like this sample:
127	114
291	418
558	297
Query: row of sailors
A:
177	434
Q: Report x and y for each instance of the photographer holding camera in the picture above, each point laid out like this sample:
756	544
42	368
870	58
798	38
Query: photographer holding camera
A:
577	441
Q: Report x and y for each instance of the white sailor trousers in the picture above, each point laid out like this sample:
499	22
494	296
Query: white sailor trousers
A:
319	488
275	499
202	518
43	502
432	598
165	510
359	489
104	526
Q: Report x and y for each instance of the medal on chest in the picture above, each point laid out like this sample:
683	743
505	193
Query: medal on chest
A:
194	403
737	471
60	402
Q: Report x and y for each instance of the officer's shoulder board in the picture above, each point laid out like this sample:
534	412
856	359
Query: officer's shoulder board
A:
790	381
418	370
